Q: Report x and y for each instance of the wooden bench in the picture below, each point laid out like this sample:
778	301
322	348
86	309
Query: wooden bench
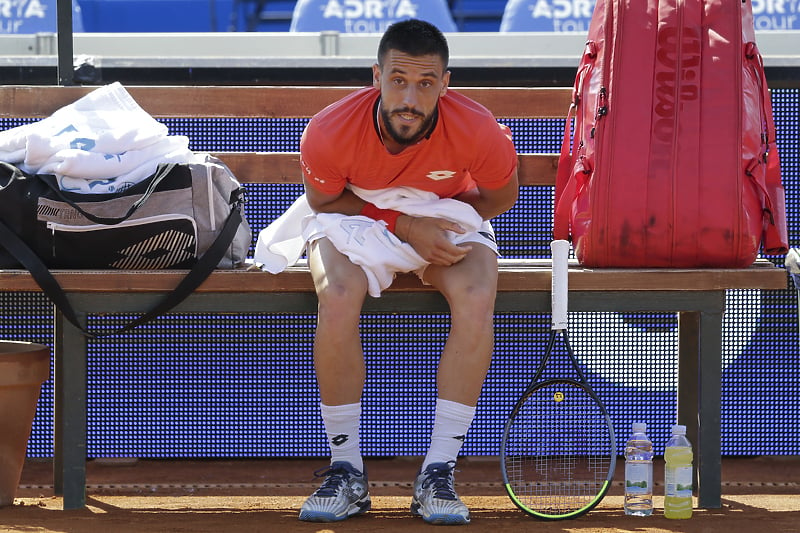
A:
696	295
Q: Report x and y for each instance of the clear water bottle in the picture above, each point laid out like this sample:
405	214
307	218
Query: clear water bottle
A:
639	472
678	475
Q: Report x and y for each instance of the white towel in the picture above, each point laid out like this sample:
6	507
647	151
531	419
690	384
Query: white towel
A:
366	242
103	138
282	243
127	169
419	203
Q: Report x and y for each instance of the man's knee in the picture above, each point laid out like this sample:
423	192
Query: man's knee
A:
475	301
340	285
342	294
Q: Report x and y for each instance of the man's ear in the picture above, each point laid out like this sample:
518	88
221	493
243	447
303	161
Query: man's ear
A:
445	83
376	76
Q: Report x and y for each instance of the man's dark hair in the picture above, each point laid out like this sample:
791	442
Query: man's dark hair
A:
415	38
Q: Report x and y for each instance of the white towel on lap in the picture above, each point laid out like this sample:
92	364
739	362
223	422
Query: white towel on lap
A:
366	242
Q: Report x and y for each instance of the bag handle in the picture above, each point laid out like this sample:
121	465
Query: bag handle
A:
565	188
50	286
775	239
565	184
161	172
14	173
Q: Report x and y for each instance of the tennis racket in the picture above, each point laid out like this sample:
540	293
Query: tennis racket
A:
558	450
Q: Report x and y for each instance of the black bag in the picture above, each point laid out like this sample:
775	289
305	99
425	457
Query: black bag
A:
186	216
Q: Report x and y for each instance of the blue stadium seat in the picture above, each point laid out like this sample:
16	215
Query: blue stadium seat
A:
367	16
477	15
36	16
543	15
144	16
261	15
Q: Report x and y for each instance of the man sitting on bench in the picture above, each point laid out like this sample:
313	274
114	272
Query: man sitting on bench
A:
407	140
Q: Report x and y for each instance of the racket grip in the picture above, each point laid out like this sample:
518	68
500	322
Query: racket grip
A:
560	289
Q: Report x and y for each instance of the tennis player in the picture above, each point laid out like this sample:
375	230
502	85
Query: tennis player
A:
406	130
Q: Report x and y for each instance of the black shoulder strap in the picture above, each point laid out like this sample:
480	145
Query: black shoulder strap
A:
49	285
160	175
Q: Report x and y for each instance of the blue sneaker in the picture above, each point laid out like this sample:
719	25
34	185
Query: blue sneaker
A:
435	499
344	493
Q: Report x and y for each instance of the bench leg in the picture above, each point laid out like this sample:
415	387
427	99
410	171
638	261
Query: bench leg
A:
69	431
699	396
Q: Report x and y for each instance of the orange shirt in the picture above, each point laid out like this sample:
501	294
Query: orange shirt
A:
467	148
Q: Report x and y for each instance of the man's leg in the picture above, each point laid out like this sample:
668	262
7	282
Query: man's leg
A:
338	356
470	287
339	364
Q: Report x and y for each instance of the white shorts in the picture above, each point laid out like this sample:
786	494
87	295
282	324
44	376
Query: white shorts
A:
484	236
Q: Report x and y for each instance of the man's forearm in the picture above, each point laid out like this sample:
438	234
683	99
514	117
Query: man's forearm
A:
346	203
487	207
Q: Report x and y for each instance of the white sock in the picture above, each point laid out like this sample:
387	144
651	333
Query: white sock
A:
341	426
450	425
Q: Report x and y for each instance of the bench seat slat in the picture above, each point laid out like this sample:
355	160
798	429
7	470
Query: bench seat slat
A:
524	275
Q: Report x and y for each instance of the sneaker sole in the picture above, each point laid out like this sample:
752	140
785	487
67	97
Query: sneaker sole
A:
446	520
439	519
355	509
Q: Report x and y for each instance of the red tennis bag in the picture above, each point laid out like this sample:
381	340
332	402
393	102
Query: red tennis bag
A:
673	161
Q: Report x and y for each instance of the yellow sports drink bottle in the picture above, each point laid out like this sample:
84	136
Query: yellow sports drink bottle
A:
678	475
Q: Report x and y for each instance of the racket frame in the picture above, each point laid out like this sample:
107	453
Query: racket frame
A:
559	328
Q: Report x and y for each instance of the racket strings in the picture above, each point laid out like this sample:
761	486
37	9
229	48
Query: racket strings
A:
558	452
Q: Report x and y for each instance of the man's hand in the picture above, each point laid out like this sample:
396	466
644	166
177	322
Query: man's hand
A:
428	236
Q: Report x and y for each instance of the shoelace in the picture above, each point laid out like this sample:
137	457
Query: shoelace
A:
440	479
334	478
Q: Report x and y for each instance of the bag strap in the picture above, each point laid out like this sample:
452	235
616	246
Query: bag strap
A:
49	285
565	183
38	270
775	239
565	188
14	173
162	172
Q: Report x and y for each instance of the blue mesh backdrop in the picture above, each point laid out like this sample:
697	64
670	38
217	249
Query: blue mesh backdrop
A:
243	386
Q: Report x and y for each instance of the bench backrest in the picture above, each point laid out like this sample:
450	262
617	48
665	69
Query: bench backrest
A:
289	102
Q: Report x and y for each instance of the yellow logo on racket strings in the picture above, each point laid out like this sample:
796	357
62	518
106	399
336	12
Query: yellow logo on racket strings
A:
558	396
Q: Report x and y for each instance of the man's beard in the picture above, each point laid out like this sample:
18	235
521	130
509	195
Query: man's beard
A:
397	136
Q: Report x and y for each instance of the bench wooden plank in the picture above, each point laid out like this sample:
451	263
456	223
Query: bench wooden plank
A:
261	101
516	275
284	167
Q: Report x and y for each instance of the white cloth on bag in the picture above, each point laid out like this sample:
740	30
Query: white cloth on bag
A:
104	138
134	165
366	242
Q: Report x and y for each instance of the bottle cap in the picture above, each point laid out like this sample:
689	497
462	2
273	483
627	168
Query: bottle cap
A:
639	427
679	430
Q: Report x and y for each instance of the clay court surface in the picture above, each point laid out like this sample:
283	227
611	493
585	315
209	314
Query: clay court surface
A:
758	495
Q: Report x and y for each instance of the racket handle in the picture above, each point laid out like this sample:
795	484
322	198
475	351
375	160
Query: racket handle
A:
560	289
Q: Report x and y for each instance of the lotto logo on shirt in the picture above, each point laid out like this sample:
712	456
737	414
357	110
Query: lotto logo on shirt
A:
439	175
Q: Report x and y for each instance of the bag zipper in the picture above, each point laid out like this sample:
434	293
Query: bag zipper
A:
752	55
58	226
212	220
613	20
55	227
